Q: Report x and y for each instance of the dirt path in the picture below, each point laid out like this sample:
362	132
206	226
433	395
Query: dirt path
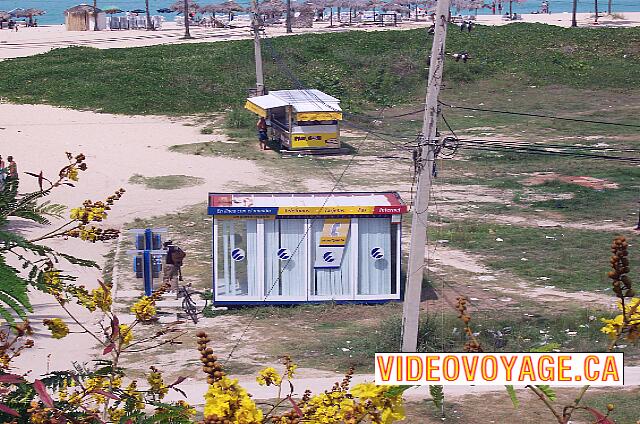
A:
116	147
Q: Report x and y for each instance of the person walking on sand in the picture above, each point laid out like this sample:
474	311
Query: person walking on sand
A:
262	133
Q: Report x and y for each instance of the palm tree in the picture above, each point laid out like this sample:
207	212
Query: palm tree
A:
150	26
185	7
95	16
574	22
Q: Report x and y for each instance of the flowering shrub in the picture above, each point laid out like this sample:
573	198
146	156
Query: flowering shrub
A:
226	401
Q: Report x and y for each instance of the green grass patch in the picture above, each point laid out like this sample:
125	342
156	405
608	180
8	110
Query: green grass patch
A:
189	228
356	342
199	78
166	182
571	259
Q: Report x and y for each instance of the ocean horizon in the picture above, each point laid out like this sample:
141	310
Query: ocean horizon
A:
56	8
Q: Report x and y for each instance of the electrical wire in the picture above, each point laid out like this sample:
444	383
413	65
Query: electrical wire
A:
539	115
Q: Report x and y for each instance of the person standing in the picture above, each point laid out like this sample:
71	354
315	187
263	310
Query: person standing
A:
12	169
2	173
262	132
173	265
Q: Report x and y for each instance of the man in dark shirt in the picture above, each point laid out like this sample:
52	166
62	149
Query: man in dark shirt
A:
170	268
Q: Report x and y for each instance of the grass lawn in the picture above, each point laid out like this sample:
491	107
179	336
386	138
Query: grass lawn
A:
202	78
571	259
335	337
166	182
497	408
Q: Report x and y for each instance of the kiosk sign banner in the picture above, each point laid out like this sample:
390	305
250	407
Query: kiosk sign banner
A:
332	243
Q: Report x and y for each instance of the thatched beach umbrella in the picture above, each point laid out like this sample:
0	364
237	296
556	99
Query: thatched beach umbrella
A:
185	7
271	7
112	10
4	15
393	7
213	9
231	6
355	5
179	6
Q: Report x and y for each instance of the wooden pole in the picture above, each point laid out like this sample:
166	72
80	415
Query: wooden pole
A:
415	271
257	49
289	30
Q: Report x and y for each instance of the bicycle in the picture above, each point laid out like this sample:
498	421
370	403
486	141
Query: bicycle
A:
189	305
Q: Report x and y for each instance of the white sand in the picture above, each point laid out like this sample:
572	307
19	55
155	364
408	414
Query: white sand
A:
30	41
116	148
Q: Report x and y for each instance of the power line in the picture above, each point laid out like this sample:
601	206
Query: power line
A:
538	115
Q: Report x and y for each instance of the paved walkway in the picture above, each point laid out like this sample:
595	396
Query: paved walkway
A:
195	390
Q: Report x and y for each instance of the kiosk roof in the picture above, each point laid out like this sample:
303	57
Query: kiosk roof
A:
307	203
302	100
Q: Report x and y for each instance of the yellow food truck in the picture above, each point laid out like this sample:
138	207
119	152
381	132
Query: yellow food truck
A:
301	120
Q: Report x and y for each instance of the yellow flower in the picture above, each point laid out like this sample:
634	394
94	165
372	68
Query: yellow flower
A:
156	383
73	173
388	407
226	400
126	334
144	309
102	297
77	213
133	397
187	409
269	376
57	327
617	326
96	383
115	414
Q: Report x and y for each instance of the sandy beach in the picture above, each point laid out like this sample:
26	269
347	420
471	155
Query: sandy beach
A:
30	41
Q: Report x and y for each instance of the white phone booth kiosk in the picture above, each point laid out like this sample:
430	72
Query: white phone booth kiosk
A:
283	248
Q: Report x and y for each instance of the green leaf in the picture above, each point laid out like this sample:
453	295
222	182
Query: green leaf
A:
437	394
14	298
549	347
512	394
548	392
397	390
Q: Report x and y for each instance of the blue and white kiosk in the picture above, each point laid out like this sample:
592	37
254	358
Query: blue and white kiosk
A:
287	248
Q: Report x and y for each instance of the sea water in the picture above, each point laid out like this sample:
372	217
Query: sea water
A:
56	8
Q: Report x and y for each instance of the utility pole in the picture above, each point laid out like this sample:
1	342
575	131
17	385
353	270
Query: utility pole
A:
426	157
574	10
289	30
257	49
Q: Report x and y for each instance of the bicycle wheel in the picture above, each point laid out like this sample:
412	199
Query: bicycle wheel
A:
190	309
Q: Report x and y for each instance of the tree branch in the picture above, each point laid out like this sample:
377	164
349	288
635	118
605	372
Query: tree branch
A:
548	404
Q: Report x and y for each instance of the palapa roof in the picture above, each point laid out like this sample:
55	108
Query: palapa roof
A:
81	8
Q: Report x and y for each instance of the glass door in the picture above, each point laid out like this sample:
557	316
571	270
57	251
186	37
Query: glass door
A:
285	259
236	252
